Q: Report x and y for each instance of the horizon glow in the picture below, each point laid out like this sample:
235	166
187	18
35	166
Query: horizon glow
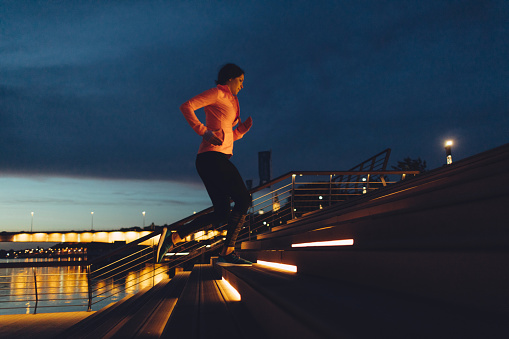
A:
65	204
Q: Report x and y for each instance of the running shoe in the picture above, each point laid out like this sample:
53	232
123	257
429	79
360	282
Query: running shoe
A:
232	260
165	244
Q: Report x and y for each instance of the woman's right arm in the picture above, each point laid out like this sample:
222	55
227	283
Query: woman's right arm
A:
189	107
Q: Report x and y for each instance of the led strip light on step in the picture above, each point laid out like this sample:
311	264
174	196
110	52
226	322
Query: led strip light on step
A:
285	267
343	242
233	294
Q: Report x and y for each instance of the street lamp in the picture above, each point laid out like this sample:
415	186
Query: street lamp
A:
92	213
32	223
143	218
448	146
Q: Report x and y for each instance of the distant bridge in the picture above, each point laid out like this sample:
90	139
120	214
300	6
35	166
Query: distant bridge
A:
75	236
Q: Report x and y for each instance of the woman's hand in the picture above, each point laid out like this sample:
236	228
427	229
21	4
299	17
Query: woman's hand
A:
213	137
245	126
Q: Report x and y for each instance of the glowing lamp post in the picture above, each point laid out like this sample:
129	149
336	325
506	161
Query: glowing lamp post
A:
92	213
32	223
448	146
143	218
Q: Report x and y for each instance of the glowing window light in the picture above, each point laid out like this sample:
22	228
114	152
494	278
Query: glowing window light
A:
344	242
116	236
285	267
234	295
180	253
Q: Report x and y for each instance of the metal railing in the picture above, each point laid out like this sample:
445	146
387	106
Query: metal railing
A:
283	199
42	285
80	285
126	270
92	284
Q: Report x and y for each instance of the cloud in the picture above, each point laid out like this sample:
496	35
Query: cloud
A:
93	89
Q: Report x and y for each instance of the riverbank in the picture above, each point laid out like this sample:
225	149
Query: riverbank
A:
67	251
40	326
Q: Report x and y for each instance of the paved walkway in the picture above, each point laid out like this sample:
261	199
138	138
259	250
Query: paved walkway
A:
40	326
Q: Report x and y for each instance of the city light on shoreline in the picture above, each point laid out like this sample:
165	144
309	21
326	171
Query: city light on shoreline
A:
64	204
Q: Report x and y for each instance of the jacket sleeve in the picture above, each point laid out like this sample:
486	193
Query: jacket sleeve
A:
189	107
238	134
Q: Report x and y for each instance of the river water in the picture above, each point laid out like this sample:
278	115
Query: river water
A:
64	289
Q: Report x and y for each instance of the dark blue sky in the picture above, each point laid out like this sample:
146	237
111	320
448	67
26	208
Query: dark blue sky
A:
93	88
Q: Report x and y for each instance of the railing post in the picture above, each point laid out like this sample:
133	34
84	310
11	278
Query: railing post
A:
250	218
274	197
293	193
36	294
89	289
330	189
154	259
152	272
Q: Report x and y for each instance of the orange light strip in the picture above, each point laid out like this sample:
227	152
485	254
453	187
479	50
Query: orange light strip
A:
285	267
344	242
234	295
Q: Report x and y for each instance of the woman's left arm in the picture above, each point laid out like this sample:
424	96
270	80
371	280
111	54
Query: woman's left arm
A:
242	128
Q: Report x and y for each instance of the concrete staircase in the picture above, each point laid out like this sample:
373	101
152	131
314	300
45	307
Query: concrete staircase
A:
443	235
430	259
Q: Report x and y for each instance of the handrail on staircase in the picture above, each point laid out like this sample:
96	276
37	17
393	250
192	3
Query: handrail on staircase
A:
289	175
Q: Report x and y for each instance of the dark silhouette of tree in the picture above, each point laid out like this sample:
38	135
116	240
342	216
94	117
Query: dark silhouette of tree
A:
409	164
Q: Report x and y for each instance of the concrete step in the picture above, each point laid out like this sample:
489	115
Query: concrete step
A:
442	235
295	305
142	315
475	279
149	320
206	309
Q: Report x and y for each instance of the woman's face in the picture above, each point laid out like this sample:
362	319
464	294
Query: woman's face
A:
236	84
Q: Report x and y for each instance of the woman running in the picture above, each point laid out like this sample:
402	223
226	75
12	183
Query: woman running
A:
220	177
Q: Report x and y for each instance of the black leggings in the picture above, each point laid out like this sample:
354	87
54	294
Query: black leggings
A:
223	182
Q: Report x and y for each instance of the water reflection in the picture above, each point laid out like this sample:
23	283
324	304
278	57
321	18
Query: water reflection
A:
65	289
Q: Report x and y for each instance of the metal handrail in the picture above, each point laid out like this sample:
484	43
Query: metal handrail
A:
137	262
104	278
39	288
294	199
299	173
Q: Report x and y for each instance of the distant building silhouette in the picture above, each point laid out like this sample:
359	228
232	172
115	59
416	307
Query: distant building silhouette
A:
265	166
